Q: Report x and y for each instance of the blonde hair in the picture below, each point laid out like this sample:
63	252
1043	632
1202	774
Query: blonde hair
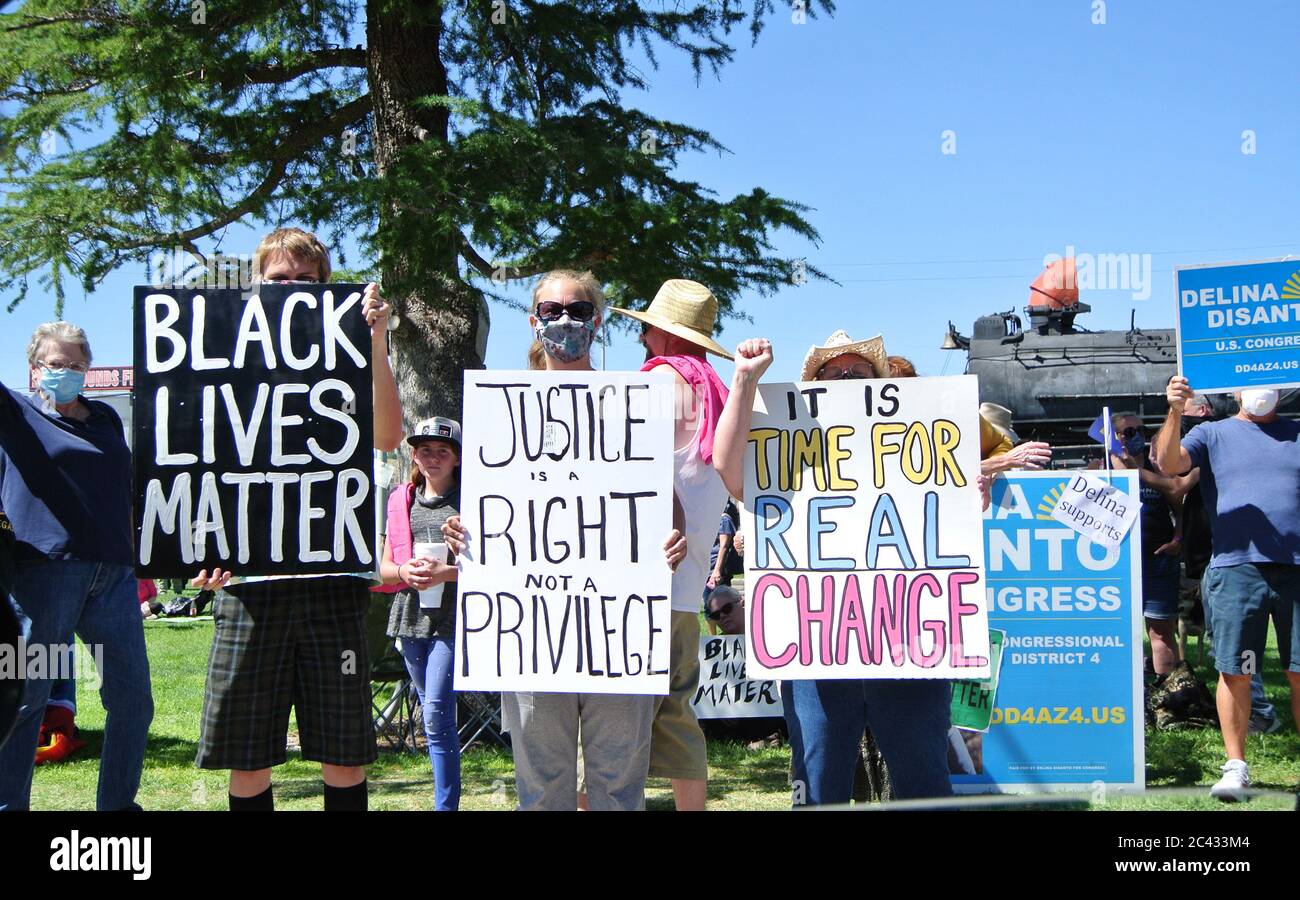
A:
591	290
56	331
292	242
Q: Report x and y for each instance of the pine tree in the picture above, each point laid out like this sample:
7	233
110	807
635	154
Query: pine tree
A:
469	143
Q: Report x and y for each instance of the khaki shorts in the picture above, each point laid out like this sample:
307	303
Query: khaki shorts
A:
677	748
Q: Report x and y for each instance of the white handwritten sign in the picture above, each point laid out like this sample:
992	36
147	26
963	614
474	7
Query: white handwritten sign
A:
865	552
566	495
724	691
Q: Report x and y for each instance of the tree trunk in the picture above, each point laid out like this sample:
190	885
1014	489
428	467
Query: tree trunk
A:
443	322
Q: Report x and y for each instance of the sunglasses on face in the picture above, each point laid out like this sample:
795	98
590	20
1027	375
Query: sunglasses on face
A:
1129	432
835	373
725	609
578	311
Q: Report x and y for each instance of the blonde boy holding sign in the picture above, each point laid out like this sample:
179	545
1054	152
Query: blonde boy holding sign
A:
281	643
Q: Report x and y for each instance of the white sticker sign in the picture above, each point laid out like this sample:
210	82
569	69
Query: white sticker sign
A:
1099	511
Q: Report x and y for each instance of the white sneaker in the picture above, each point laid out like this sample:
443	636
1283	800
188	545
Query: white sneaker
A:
1235	782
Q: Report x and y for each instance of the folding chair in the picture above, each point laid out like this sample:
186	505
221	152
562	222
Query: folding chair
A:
393	699
478	717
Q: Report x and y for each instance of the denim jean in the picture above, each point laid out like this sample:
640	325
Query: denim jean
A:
97	601
1260	708
63	692
909	720
429	660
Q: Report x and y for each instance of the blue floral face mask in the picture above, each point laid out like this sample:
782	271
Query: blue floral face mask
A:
564	340
62	385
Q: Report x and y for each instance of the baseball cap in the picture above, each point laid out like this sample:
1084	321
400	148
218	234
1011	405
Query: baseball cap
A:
436	429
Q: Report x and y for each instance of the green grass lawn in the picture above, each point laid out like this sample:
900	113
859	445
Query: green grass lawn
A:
1179	764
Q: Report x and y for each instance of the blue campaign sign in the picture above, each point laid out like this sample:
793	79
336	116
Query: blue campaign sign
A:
1239	325
1068	712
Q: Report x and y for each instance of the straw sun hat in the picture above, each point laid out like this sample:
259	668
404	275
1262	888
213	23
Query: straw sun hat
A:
686	309
872	349
1000	418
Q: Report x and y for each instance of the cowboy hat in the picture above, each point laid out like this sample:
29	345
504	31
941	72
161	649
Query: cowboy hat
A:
839	343
684	308
1000	418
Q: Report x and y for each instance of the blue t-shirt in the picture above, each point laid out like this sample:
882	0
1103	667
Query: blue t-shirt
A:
1250	478
724	527
65	484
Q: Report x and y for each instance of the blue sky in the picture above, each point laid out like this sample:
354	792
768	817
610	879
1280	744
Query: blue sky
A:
1123	137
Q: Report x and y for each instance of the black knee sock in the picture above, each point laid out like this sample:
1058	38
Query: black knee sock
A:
347	799
263	802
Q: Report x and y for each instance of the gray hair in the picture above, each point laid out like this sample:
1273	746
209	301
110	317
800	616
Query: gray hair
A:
56	331
725	591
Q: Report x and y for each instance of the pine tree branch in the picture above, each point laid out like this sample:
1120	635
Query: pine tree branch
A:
274	73
474	258
283	156
29	22
35	95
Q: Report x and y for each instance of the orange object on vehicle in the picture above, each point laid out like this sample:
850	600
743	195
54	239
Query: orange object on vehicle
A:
1057	286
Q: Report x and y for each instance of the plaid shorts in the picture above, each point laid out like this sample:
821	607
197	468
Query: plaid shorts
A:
297	643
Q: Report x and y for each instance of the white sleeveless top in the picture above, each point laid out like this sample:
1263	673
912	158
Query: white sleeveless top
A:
703	497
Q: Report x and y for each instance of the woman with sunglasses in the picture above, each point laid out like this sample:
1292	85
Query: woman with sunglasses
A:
545	728
65	484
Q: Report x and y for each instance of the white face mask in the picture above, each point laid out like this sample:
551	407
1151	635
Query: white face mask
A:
1259	402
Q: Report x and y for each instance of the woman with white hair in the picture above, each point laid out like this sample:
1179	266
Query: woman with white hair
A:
65	485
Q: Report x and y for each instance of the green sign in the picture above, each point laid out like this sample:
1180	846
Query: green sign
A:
972	701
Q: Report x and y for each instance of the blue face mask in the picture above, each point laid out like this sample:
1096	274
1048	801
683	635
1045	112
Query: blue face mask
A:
1135	445
62	385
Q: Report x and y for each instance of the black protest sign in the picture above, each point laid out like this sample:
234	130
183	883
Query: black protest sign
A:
254	431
